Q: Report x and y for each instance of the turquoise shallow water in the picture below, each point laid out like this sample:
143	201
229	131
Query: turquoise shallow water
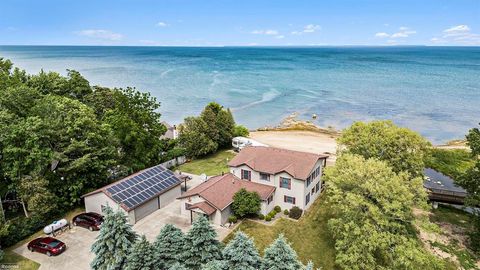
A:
433	90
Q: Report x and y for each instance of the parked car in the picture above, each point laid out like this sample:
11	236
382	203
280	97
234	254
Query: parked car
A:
47	245
90	220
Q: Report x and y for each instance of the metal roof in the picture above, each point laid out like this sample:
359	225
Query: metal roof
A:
438	181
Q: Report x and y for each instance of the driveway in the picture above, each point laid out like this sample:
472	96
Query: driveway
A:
79	240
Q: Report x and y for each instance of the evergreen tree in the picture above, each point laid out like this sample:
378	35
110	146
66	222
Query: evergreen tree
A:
241	253
280	256
113	243
309	266
177	266
215	265
201	245
168	245
142	256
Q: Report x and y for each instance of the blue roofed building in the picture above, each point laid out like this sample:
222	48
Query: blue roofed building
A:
139	194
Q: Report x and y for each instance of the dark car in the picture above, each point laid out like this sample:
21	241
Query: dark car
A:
47	245
90	220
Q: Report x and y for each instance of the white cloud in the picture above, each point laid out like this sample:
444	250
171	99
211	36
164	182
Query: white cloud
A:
265	32
310	28
162	24
382	35
101	34
280	36
403	32
459	34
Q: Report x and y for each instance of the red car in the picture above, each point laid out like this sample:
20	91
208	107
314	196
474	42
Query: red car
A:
90	220
47	245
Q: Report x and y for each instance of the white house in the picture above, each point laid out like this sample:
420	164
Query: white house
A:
138	195
295	175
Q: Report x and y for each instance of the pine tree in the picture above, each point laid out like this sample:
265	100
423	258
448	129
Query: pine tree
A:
309	266
280	256
177	266
142	256
241	253
113	242
168	245
214	265
201	245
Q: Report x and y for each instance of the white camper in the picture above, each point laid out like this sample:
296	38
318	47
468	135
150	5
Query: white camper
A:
240	142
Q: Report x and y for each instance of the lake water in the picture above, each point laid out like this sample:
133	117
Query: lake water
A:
433	90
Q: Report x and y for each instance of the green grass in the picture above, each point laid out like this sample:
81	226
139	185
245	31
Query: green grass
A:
447	214
213	164
451	162
23	263
465	258
309	236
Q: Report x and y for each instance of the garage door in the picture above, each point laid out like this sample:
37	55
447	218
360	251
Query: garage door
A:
146	209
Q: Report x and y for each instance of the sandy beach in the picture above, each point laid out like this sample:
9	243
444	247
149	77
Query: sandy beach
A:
307	141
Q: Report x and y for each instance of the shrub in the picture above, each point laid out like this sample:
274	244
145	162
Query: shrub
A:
295	212
245	203
240	131
272	213
19	228
277	209
261	216
232	219
268	218
286	212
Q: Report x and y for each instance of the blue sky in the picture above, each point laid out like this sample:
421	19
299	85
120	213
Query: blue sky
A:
239	22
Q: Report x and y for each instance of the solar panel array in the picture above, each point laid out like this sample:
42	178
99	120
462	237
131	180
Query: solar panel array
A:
143	186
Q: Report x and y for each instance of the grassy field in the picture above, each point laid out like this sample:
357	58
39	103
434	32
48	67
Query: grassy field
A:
309	236
213	164
23	263
451	162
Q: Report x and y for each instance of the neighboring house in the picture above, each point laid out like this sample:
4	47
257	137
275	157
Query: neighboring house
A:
214	197
138	195
171	132
296	175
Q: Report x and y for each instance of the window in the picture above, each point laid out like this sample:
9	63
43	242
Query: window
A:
270	199
265	176
289	199
285	183
309	180
317	186
246	175
307	199
313	190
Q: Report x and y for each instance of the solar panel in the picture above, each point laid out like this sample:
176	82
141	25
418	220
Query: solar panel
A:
143	187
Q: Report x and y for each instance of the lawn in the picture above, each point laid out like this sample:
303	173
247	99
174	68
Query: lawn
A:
213	164
309	236
450	162
448	214
23	263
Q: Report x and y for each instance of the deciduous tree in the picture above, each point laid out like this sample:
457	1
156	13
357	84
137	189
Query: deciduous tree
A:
245	203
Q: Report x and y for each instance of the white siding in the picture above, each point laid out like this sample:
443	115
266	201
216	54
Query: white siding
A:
94	203
170	196
146	209
316	180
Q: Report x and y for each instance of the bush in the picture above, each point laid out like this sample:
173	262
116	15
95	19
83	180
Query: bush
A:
268	218
272	213
18	229
295	212
240	131
286	212
277	209
261	216
232	219
1	255
245	203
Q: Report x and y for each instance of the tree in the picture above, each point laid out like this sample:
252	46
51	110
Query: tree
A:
240	131
220	124
401	148
309	266
245	203
177	266
34	192
142	256
280	256
241	253
135	121
112	245
470	181
214	265
168	245
201	245
193	138
372	224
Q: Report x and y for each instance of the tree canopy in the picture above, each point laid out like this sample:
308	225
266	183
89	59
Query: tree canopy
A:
241	254
401	148
245	203
372	223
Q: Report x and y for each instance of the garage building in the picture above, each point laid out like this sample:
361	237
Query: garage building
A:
139	194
